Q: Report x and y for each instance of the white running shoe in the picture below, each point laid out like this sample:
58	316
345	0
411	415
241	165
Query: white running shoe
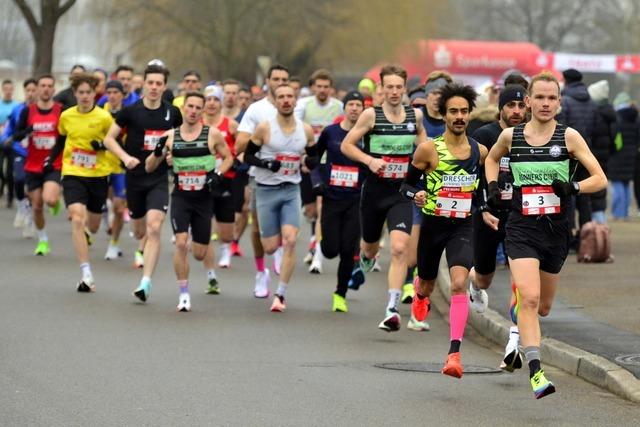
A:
416	325
113	252
29	228
376	266
263	280
316	264
19	220
478	298
512	359
184	302
277	260
225	256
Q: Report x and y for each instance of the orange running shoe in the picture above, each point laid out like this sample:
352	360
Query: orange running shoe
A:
452	366
419	307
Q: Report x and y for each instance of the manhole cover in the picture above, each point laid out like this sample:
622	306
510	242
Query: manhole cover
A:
629	359
435	368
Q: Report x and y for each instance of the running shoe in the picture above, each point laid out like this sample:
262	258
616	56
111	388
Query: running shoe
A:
376	266
308	258
113	252
541	386
357	278
88	237
277	260
225	256
43	248
420	307
512	358
29	229
407	293
138	259
478	299
278	305
19	220
184	302
263	280
214	288
515	304
453	366
416	325
142	292
366	264
214	237
391	322
236	250
316	266
85	286
340	304
55	210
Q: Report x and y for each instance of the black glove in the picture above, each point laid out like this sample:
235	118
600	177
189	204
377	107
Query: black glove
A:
408	191
97	145
22	134
565	189
160	146
47	165
493	195
272	165
214	179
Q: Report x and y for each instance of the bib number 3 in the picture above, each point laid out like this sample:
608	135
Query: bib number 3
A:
539	200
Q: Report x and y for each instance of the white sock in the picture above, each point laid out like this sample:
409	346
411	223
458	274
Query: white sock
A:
211	274
394	299
514	334
282	289
87	276
42	235
317	256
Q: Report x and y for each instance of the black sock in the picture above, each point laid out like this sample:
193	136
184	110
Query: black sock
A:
341	291
455	346
534	366
409	278
313	228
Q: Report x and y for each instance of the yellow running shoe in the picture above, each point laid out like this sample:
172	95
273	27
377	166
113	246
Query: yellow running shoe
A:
55	210
541	386
407	293
43	248
340	304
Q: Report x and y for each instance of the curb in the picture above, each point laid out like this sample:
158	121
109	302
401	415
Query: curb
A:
588	366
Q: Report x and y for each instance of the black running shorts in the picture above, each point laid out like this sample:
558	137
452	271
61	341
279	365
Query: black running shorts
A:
145	196
89	191
192	210
486	241
438	233
381	201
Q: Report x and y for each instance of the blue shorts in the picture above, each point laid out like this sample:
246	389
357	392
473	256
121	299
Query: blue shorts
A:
417	215
117	183
277	205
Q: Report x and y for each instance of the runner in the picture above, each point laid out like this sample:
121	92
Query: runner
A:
258	112
124	74
537	231
84	170
231	108
319	111
489	224
390	132
146	122
340	219
7	104
223	201
117	194
193	149
18	146
452	166
190	83
65	96
40	120
282	142
435	126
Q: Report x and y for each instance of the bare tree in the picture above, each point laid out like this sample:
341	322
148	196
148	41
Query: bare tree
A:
44	32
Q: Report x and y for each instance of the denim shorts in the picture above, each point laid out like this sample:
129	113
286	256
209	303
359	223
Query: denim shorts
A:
277	205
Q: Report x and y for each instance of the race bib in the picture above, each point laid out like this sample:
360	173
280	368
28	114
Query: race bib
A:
192	181
151	138
84	158
452	204
289	165
539	200
44	142
504	164
396	167
507	192
344	176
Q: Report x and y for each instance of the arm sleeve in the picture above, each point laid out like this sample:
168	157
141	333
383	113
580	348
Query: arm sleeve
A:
250	155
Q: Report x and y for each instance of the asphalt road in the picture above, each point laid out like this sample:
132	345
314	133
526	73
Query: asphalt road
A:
103	359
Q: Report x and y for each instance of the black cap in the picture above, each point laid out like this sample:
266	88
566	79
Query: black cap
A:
114	84
572	75
353	95
511	93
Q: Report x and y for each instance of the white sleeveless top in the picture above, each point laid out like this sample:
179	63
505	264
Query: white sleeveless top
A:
288	148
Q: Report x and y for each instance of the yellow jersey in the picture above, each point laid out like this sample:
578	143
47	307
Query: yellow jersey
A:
115	164
178	101
78	157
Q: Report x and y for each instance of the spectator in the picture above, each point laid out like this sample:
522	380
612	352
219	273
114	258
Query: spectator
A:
602	142
623	159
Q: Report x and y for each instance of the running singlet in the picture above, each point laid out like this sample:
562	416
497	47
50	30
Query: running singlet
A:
342	175
534	169
78	157
43	137
393	143
316	115
450	187
223	127
288	149
192	161
144	128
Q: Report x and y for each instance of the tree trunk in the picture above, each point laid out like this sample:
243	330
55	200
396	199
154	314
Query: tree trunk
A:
43	54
